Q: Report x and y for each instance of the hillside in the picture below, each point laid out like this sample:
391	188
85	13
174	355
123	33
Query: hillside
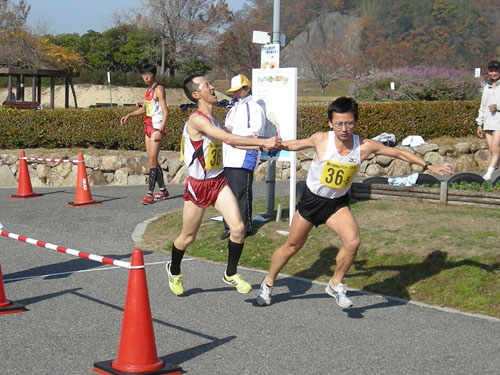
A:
396	33
323	31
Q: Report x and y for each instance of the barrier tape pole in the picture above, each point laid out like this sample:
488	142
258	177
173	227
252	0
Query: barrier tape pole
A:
77	253
53	160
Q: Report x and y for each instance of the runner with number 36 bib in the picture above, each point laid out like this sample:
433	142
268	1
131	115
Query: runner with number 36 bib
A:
339	154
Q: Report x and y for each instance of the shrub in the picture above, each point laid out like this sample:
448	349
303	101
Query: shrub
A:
416	84
100	127
428	119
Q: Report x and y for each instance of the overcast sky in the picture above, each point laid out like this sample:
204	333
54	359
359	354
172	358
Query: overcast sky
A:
70	16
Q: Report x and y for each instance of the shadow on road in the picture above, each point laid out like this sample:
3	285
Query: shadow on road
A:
62	269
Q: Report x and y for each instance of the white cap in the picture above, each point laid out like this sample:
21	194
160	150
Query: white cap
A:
239	81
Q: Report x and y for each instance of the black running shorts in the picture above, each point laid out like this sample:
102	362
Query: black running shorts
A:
317	210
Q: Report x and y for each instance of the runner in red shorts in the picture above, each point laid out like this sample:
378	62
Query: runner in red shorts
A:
155	110
201	150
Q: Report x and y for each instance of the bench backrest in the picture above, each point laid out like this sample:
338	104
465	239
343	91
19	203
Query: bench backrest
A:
20	105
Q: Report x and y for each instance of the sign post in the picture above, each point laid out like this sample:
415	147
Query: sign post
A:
109	84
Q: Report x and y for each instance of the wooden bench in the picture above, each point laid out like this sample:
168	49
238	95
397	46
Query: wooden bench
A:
100	105
20	105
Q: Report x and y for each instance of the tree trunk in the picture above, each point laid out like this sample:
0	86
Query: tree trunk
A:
162	69
73	91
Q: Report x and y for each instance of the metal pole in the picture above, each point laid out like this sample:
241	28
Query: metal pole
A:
271	164
109	84
9	88
276	22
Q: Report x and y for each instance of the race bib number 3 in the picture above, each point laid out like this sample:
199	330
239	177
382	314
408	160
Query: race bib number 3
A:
214	156
337	175
147	105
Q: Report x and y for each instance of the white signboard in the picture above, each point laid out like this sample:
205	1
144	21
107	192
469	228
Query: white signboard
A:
276	91
270	56
261	37
477	72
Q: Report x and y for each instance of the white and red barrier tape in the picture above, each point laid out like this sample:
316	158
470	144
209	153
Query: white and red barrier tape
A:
77	253
52	160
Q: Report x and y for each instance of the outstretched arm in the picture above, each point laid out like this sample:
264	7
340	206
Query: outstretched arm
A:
369	146
302	144
203	126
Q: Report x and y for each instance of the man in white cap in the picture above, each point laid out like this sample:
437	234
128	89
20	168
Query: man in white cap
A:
246	118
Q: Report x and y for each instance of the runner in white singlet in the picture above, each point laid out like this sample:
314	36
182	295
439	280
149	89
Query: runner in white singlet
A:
338	155
206	185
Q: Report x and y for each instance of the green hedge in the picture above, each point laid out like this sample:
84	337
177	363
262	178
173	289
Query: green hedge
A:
100	128
428	119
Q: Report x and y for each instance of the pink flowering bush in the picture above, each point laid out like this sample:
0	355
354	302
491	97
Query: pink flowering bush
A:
422	83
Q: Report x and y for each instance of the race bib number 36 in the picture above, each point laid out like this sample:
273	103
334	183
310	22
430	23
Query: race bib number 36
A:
337	175
214	156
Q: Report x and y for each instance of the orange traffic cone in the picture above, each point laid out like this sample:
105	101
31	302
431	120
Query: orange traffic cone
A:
6	306
24	189
137	351
82	195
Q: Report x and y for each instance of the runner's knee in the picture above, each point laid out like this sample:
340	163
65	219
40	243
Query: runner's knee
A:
184	240
351	245
237	232
152	161
291	248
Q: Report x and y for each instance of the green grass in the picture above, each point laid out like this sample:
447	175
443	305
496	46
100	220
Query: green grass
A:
441	255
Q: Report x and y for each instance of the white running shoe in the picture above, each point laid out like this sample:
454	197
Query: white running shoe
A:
487	176
264	297
339	293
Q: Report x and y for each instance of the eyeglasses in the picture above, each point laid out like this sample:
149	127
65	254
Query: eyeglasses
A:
205	85
348	124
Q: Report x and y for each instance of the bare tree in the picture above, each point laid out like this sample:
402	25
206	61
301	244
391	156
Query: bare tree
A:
41	28
329	60
188	27
20	50
235	51
13	17
15	44
330	54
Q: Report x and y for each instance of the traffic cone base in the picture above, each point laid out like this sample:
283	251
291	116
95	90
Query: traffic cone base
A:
33	195
12	308
6	306
91	203
105	368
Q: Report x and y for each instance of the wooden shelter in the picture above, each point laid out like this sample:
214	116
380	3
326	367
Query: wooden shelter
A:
36	93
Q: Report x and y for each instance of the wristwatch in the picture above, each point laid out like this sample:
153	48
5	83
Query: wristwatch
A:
427	163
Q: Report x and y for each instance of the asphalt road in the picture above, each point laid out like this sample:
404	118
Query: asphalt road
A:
75	306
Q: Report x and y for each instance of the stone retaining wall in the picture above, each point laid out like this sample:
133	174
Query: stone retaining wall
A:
131	167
